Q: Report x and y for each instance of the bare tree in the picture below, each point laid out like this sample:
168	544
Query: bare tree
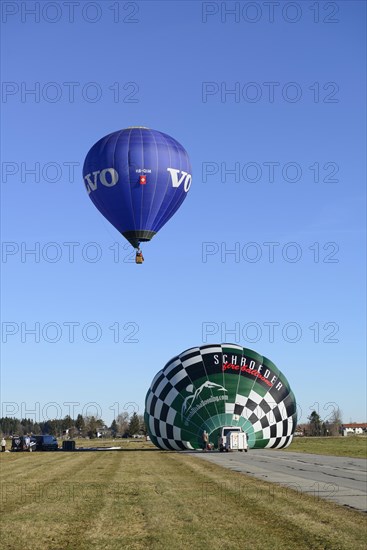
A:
335	421
122	422
143	428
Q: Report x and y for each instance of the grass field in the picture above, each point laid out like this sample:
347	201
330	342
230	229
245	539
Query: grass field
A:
142	498
353	446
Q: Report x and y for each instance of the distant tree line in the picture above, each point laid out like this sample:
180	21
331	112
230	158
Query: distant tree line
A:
318	427
83	426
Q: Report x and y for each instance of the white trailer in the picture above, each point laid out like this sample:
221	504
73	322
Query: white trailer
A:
236	441
232	439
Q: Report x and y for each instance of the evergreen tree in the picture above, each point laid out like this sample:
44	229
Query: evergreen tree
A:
36	429
113	428
67	423
315	423
45	427
80	424
134	424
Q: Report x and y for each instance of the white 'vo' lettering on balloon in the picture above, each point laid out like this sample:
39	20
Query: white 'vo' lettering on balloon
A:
108	177
176	182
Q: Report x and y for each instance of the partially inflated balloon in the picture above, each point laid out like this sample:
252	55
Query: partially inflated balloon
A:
213	386
137	178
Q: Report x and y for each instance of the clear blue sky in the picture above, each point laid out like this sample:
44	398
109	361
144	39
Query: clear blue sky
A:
169	66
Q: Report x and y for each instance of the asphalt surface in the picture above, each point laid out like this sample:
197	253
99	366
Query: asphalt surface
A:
340	479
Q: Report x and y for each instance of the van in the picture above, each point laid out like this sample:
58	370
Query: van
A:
45	442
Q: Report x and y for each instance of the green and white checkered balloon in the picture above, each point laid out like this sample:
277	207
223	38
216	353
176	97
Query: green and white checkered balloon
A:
212	386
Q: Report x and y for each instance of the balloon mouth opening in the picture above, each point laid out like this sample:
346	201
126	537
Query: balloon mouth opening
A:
137	237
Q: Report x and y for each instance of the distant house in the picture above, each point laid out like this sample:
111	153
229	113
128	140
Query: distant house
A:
354	428
302	429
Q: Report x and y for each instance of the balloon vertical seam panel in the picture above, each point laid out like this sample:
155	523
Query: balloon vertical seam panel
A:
177	199
217	385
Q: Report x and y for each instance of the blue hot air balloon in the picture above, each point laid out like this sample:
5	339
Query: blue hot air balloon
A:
137	178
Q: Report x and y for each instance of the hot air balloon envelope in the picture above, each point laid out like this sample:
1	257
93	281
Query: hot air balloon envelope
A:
137	178
218	385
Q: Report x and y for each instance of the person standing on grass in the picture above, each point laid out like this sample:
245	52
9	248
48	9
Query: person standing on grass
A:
205	440
3	445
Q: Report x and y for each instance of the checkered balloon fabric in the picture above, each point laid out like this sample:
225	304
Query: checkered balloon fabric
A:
208	387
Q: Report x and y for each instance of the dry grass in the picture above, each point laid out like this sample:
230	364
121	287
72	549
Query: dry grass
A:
353	446
148	499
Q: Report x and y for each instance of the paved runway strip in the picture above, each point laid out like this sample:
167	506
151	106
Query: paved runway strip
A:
340	479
